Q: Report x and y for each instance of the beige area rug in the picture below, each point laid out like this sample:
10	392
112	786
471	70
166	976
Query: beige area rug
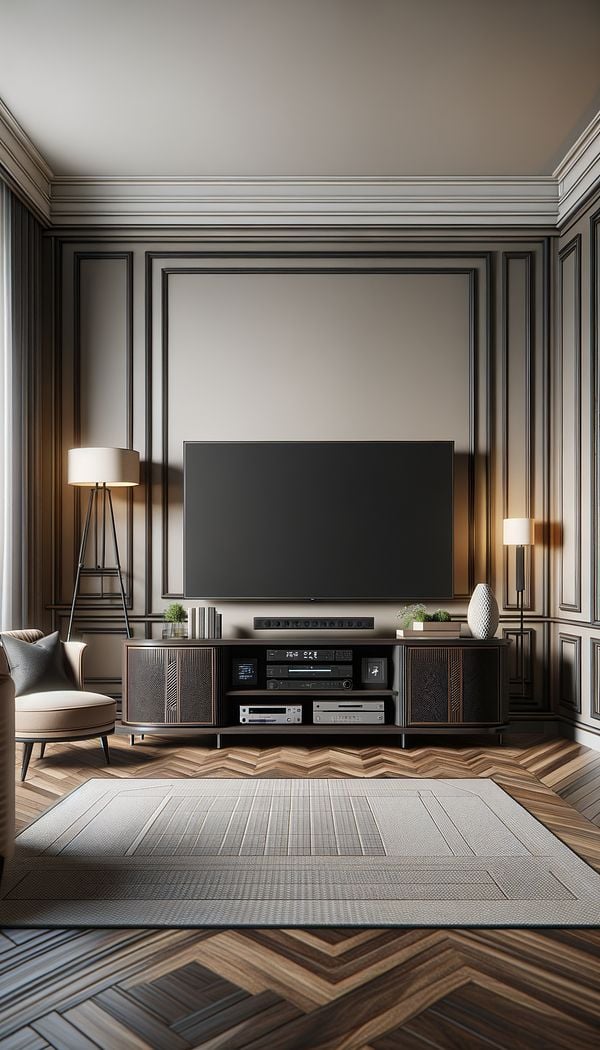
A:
294	853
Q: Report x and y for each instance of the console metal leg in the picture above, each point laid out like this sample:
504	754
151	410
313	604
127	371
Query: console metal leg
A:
402	740
218	741
500	738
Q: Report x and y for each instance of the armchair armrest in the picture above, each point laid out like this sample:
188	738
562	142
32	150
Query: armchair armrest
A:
74	657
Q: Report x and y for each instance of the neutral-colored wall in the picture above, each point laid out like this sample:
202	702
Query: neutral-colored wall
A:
157	343
576	475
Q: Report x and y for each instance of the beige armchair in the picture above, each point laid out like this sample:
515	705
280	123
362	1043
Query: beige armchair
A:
60	714
7	768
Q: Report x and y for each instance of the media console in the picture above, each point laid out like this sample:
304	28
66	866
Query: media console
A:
391	687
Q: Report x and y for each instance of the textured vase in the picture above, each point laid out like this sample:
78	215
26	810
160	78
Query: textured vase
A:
482	614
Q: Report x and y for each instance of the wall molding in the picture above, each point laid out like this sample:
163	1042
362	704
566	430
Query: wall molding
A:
573	248
24	165
311	201
569	672
578	173
475	266
534	201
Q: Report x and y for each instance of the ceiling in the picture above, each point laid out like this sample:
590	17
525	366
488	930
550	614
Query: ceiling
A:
263	88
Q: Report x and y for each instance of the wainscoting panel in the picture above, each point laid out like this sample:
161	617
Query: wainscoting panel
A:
594	235
339	352
523	389
568	386
97	393
569	672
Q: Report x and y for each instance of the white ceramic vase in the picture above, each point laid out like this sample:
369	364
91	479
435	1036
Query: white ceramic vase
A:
483	614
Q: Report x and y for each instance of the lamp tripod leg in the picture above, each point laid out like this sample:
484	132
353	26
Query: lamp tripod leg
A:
118	563
83	545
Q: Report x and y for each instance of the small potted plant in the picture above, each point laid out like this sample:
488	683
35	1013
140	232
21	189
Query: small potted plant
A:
175	618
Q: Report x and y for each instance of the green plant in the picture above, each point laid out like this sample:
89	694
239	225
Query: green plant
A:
411	613
408	613
175	613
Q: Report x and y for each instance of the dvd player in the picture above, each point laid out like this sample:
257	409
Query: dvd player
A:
311	683
348	712
348	705
316	670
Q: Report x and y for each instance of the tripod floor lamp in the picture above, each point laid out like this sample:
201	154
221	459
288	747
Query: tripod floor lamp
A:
100	470
519	533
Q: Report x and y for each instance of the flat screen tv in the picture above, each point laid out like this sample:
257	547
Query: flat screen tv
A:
318	520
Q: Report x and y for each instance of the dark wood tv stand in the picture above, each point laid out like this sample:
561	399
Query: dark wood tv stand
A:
185	688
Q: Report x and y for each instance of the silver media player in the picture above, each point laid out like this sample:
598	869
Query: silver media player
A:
349	712
269	714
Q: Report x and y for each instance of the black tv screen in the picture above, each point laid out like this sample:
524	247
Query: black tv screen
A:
318	520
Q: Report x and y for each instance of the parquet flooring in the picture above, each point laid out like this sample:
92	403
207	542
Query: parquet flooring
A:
316	989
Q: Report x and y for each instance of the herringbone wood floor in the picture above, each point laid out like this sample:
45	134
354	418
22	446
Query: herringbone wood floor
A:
314	989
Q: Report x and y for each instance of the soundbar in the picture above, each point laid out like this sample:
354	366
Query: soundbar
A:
311	683
315	623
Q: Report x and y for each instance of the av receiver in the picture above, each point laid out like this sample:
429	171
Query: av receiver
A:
256	714
305	669
348	712
316	684
331	656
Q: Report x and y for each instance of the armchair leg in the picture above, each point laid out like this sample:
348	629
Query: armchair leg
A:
104	740
42	749
27	749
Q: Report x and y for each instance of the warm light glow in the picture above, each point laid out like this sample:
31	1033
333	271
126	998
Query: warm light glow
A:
518	532
114	467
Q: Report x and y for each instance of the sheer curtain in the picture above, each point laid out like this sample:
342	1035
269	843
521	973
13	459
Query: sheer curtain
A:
20	333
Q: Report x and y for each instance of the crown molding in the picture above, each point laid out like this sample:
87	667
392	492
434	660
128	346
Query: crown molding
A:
578	173
70	201
24	165
308	201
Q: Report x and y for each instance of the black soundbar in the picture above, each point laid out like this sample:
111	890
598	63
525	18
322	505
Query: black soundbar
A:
315	623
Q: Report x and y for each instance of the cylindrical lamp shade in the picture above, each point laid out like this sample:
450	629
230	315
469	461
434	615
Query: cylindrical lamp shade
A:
518	532
114	467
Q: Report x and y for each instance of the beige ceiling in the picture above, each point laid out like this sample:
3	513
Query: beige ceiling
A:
301	87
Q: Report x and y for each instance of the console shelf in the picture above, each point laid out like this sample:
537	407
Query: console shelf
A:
188	687
309	694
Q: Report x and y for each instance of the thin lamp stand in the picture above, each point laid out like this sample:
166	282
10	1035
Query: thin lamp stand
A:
100	568
520	582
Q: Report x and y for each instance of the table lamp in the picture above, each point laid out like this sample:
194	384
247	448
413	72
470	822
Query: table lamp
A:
519	533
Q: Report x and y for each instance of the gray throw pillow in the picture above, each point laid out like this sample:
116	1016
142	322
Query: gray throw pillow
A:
36	667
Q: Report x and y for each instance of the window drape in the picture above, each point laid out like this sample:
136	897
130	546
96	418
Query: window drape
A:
20	336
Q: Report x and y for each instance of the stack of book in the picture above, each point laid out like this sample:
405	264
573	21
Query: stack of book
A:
440	629
204	622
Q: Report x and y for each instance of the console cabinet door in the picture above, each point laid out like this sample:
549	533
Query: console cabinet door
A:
452	685
170	686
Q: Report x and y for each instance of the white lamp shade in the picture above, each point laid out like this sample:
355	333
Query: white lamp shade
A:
114	467
518	532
